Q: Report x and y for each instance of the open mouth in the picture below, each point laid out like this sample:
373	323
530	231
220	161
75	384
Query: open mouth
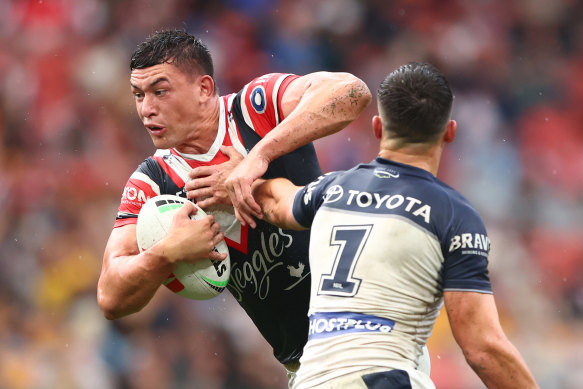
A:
154	129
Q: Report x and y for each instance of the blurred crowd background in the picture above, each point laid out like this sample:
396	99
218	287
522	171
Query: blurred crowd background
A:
70	138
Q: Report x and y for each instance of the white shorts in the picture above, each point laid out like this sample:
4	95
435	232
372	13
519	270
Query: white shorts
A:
380	379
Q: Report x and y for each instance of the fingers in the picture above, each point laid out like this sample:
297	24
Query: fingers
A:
245	200
189	208
199	194
245	206
217	256
240	217
245	218
206	185
202	183
201	171
209	237
192	240
214	226
254	208
247	212
207	202
231	152
199	182
218	237
186	210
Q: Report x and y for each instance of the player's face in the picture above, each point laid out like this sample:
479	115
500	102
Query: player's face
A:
167	103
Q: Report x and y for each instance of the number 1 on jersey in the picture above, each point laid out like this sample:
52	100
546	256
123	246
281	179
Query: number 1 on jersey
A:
350	241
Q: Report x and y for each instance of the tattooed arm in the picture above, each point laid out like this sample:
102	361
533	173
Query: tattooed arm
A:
314	106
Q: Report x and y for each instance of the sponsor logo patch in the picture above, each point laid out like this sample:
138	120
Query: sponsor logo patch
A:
258	99
382	173
327	324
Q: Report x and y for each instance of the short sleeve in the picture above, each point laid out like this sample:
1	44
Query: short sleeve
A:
261	101
139	188
466	251
308	199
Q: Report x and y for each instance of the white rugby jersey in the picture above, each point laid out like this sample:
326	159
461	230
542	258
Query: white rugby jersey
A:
386	240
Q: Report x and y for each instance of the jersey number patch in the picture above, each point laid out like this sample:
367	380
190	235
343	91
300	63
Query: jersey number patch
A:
350	241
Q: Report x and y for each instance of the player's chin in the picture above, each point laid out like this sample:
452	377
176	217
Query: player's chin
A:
161	142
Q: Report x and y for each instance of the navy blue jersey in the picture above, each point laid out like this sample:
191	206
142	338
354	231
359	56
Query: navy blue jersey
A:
386	241
388	188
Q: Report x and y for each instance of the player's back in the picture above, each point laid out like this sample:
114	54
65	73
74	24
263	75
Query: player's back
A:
376	255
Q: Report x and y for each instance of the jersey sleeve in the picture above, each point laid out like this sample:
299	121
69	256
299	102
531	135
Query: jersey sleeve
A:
308	199
261	101
466	250
140	187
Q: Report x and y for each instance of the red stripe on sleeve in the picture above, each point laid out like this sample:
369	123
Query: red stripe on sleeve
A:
281	91
125	222
135	194
259	101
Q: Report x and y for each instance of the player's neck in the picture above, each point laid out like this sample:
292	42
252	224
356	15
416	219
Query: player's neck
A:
423	157
204	131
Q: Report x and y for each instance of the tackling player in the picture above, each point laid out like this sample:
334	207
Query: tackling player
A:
390	243
272	121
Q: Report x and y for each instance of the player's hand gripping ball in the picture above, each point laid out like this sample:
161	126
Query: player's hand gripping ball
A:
202	280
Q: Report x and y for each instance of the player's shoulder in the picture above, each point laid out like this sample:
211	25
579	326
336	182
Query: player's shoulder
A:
313	194
152	163
424	185
258	104
262	87
271	78
148	165
153	169
325	180
456	211
458	201
407	175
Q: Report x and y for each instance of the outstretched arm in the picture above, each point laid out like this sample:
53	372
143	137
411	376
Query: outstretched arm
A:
276	197
314	106
129	279
474	322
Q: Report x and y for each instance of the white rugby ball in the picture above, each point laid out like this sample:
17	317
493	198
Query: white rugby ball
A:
197	281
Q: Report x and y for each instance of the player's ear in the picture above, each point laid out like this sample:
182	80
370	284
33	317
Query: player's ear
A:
377	126
450	131
207	86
